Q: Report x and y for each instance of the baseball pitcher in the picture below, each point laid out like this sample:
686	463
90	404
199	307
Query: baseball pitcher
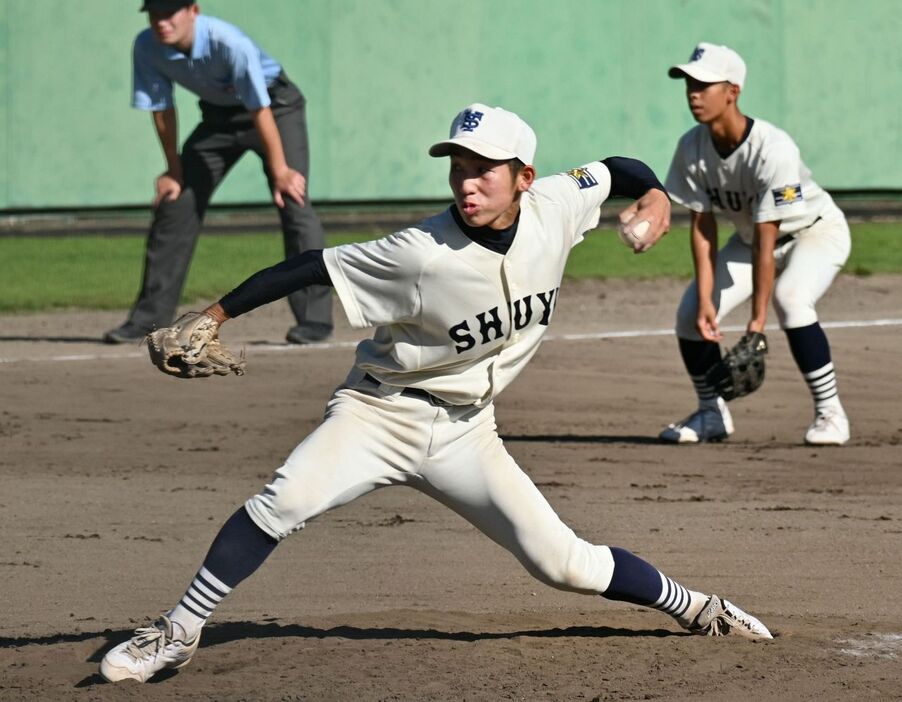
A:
459	303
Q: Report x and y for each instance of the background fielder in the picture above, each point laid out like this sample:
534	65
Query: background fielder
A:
460	303
788	229
247	104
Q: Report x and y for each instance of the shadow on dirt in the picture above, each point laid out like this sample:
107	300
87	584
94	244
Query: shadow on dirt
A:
580	439
217	634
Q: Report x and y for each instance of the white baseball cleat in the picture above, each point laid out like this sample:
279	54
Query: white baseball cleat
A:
149	651
720	617
830	428
705	424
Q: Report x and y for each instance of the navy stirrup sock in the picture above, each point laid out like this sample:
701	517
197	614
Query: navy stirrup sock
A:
698	357
638	582
238	550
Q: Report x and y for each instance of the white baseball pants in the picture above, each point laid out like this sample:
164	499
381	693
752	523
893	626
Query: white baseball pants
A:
374	437
806	267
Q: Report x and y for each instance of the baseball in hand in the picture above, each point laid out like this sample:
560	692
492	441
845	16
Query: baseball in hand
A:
633	234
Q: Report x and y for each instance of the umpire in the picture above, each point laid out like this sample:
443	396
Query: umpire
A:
247	103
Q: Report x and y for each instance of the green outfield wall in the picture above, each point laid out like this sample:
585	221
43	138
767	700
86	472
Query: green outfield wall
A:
383	79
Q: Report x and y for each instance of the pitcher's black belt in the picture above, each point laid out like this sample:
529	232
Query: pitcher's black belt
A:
415	392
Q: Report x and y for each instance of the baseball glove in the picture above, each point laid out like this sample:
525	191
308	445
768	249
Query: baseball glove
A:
191	348
741	370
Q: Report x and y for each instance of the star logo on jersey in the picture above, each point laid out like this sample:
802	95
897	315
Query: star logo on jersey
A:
470	120
787	194
583	178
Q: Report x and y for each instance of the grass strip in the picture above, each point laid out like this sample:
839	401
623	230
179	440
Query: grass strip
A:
104	272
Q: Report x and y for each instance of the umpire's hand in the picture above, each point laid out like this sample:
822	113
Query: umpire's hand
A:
168	188
291	183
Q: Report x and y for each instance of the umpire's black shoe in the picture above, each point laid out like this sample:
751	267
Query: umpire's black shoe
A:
128	333
308	333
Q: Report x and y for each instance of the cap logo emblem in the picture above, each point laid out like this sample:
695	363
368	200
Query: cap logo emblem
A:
470	121
697	54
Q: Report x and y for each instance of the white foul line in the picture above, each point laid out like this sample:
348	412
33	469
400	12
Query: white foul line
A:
282	348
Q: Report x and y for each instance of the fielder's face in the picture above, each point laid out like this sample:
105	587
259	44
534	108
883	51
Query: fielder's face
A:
708	101
486	193
174	28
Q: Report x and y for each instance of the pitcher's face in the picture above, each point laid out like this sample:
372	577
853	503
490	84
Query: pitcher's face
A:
486	192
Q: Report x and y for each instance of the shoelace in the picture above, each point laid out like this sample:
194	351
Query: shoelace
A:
741	618
143	638
825	421
718	627
712	628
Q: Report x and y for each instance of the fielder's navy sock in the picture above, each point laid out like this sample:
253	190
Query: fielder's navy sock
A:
809	347
637	581
698	357
238	550
811	352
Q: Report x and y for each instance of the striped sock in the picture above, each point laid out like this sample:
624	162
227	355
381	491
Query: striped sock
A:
680	603
637	581
707	396
822	384
238	550
811	352
698	357
197	604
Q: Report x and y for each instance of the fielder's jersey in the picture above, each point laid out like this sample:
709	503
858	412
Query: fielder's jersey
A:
453	317
763	180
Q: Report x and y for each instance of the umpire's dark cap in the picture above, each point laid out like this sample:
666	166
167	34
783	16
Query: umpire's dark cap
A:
165	5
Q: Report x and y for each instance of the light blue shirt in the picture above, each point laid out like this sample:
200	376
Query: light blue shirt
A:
225	68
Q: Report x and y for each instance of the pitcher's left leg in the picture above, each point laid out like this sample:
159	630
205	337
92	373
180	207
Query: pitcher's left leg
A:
473	474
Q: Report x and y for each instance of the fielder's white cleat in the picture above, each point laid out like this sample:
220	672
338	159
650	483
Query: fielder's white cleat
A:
705	424
830	428
149	651
720	617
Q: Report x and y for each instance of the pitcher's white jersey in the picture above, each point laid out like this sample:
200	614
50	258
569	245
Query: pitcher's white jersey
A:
763	180
453	317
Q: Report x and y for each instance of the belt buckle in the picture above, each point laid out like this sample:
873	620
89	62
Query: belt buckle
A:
437	401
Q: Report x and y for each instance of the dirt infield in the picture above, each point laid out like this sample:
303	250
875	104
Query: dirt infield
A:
114	479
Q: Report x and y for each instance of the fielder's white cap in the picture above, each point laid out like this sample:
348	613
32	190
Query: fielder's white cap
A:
712	63
490	132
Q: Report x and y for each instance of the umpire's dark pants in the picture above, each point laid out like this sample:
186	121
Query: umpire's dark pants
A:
217	143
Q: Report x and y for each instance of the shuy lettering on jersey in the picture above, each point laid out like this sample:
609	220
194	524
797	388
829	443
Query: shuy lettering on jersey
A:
490	326
733	199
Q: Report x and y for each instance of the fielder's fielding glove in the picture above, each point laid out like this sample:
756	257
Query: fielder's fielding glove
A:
190	348
741	370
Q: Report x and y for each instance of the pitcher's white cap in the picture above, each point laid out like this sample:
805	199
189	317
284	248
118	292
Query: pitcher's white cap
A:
490	132
712	63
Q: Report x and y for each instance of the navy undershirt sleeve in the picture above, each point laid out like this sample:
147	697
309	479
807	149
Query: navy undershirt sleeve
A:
295	273
631	178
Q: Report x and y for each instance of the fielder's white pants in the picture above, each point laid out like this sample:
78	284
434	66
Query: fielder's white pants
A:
806	267
373	437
